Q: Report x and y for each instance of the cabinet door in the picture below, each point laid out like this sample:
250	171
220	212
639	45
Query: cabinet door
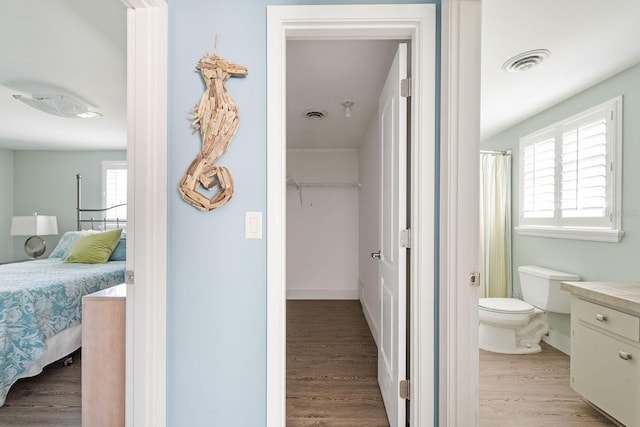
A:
103	361
604	378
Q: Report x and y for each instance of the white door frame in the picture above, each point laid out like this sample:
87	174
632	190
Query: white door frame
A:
460	112
147	31
459	172
415	22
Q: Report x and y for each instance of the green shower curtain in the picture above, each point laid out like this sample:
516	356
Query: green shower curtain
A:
495	224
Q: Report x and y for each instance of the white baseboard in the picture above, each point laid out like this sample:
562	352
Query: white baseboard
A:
322	293
369	318
558	341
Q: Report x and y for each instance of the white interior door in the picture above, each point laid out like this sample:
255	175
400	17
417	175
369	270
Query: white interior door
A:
392	270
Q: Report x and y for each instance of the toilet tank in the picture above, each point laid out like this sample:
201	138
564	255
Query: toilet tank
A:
541	288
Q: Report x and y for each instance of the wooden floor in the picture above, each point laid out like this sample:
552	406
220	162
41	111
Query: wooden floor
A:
50	399
331	366
531	390
331	381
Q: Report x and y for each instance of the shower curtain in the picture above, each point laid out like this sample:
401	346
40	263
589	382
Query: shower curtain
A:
495	225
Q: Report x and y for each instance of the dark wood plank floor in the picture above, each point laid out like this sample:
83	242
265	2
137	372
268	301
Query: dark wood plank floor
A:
531	390
50	399
331	366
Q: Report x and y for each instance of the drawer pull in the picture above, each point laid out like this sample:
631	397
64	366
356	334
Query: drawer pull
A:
601	317
624	355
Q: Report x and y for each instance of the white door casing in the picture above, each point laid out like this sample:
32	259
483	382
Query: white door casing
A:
459	207
147	33
460	30
415	22
392	263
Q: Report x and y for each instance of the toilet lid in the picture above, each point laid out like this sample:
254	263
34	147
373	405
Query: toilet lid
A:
505	305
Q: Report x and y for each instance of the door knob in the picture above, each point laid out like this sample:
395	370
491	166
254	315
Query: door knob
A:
375	255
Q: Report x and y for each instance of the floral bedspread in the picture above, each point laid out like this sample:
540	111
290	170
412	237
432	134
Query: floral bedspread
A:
39	299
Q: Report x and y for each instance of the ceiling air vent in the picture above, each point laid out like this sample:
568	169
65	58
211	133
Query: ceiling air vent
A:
315	114
525	61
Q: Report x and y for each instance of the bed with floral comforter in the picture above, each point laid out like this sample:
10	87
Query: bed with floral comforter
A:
39	299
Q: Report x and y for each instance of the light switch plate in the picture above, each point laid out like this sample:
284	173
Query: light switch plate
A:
253	225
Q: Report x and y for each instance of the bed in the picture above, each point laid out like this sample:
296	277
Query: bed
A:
41	303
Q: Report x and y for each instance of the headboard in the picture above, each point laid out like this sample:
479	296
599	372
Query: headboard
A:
103	221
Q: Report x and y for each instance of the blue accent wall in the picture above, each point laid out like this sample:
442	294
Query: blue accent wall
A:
216	279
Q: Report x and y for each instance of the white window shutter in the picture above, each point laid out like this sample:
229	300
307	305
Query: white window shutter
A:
571	177
539	179
584	171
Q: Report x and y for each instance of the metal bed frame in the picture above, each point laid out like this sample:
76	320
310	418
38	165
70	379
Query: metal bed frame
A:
118	222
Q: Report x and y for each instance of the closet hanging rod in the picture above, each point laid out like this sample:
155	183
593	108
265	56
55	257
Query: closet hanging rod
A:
497	152
326	184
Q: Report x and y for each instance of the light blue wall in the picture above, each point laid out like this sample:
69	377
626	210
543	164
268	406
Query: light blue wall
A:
45	182
216	297
6	204
591	260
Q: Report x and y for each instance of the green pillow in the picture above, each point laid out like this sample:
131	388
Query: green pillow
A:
94	248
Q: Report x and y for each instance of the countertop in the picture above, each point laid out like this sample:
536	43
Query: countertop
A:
621	295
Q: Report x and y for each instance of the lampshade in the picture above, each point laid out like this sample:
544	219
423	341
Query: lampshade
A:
59	105
34	225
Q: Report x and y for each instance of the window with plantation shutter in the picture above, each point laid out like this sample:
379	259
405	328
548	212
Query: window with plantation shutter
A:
570	177
538	179
114	183
584	171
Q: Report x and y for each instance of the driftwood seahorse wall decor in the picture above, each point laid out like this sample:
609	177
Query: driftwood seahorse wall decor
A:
216	117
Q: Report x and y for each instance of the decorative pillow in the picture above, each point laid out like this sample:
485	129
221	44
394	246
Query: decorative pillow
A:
65	243
120	252
94	248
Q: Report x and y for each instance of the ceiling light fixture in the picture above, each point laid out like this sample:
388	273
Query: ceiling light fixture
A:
59	105
525	61
347	108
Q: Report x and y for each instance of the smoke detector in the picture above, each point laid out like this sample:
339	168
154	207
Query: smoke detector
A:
525	61
315	114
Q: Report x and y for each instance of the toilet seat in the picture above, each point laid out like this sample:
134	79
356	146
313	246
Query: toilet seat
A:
505	305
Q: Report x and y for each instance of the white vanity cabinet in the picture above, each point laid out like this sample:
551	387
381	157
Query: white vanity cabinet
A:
605	357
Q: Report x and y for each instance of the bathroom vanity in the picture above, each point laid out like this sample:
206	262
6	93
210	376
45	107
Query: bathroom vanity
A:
605	346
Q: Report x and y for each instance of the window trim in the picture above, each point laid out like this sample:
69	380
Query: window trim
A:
554	228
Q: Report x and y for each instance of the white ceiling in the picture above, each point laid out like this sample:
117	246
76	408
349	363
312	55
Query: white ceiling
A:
78	47
323	74
72	47
589	40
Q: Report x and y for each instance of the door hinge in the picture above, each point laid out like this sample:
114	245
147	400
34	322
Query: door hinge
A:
405	238
128	277
404	389
405	87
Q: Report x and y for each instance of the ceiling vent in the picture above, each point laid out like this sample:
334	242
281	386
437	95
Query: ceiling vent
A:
525	61
315	114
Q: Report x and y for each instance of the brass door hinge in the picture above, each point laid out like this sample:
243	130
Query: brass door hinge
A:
404	389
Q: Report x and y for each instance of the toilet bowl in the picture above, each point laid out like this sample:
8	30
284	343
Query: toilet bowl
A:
514	326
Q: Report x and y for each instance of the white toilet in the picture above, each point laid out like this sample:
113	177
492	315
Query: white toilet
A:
513	326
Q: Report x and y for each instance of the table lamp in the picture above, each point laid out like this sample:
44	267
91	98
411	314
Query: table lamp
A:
35	226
